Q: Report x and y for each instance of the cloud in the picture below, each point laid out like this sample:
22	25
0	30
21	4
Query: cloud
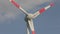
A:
7	16
7	13
29	4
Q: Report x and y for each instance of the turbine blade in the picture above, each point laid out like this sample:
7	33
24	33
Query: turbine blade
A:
13	2
28	31
42	10
25	12
31	26
45	8
18	6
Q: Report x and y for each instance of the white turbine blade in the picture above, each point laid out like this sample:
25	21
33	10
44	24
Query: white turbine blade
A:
51	4
31	26
18	6
28	31
23	10
36	14
42	10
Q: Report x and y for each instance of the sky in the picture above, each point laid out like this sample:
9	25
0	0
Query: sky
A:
12	19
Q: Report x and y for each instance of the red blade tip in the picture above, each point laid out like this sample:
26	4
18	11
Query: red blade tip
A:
51	4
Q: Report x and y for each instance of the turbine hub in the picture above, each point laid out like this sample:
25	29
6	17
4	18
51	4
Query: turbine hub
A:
30	16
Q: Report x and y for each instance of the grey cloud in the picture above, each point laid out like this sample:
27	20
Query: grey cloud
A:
29	4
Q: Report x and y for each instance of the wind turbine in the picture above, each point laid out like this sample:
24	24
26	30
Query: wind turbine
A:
29	17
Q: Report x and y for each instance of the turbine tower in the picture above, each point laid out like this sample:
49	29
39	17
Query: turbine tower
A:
29	17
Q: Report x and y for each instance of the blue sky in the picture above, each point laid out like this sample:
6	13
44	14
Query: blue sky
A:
12	19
